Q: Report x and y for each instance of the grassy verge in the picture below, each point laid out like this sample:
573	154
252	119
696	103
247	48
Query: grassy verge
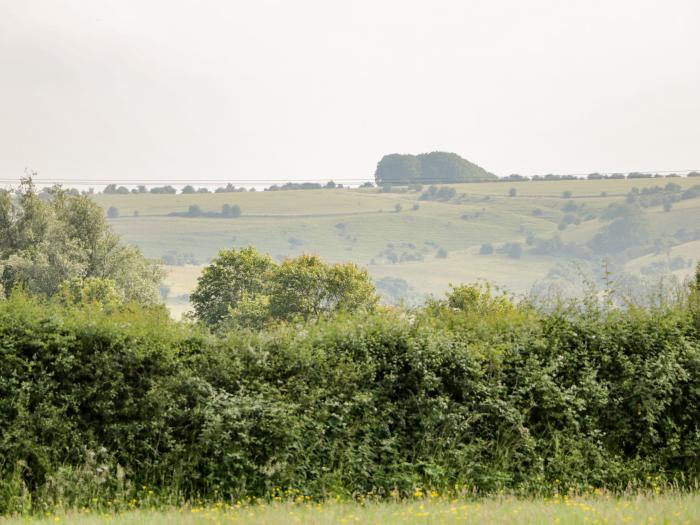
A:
601	509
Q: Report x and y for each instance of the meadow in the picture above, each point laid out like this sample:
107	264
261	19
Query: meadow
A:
364	226
668	509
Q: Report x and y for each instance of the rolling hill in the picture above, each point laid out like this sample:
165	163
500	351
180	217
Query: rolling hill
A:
428	240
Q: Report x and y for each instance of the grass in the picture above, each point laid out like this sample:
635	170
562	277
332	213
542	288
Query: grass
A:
601	509
361	225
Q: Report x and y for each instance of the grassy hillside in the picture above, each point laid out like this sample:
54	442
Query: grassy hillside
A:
427	243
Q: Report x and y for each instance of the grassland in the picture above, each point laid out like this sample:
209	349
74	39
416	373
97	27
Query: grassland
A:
642	510
363	225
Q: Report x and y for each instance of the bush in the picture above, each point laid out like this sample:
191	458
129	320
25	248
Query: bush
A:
512	249
512	192
473	390
486	249
112	213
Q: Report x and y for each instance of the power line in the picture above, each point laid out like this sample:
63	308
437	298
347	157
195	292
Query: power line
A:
180	182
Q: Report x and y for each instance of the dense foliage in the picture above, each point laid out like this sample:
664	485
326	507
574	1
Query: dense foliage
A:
57	237
473	390
244	288
435	167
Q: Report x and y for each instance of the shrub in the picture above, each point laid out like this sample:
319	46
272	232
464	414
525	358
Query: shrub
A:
112	213
473	390
486	249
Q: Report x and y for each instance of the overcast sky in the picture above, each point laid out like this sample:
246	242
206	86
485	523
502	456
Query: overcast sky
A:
311	89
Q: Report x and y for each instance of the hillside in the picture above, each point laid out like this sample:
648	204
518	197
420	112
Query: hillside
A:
429	240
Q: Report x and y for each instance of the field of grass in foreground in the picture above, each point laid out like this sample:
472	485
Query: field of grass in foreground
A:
661	509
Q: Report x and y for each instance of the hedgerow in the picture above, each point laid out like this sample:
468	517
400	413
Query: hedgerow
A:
476	392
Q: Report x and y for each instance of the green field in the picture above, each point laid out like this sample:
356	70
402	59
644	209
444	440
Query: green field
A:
642	510
362	225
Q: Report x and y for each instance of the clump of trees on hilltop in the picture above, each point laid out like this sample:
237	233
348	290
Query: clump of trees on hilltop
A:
428	168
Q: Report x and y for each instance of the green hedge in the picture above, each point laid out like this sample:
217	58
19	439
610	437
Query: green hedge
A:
99	405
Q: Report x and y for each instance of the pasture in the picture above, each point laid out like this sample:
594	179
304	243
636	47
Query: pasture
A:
429	244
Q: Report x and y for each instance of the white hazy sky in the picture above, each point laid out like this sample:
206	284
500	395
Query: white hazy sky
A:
310	89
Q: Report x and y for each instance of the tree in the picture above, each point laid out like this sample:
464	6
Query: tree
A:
231	211
194	211
397	207
188	190
307	287
246	288
45	242
566	194
486	249
512	192
397	169
233	275
112	213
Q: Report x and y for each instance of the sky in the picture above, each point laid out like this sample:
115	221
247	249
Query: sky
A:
174	90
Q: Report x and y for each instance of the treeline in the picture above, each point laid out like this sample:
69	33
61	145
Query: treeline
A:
473	391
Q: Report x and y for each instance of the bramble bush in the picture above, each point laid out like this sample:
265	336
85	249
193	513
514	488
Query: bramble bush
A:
474	390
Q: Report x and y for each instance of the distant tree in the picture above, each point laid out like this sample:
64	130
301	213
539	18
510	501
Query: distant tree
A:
169	190
512	192
330	185
486	249
415	206
566	194
231	211
194	211
188	190
136	213
397	207
513	250
398	169
668	206
441	253
112	213
203	190
537	212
